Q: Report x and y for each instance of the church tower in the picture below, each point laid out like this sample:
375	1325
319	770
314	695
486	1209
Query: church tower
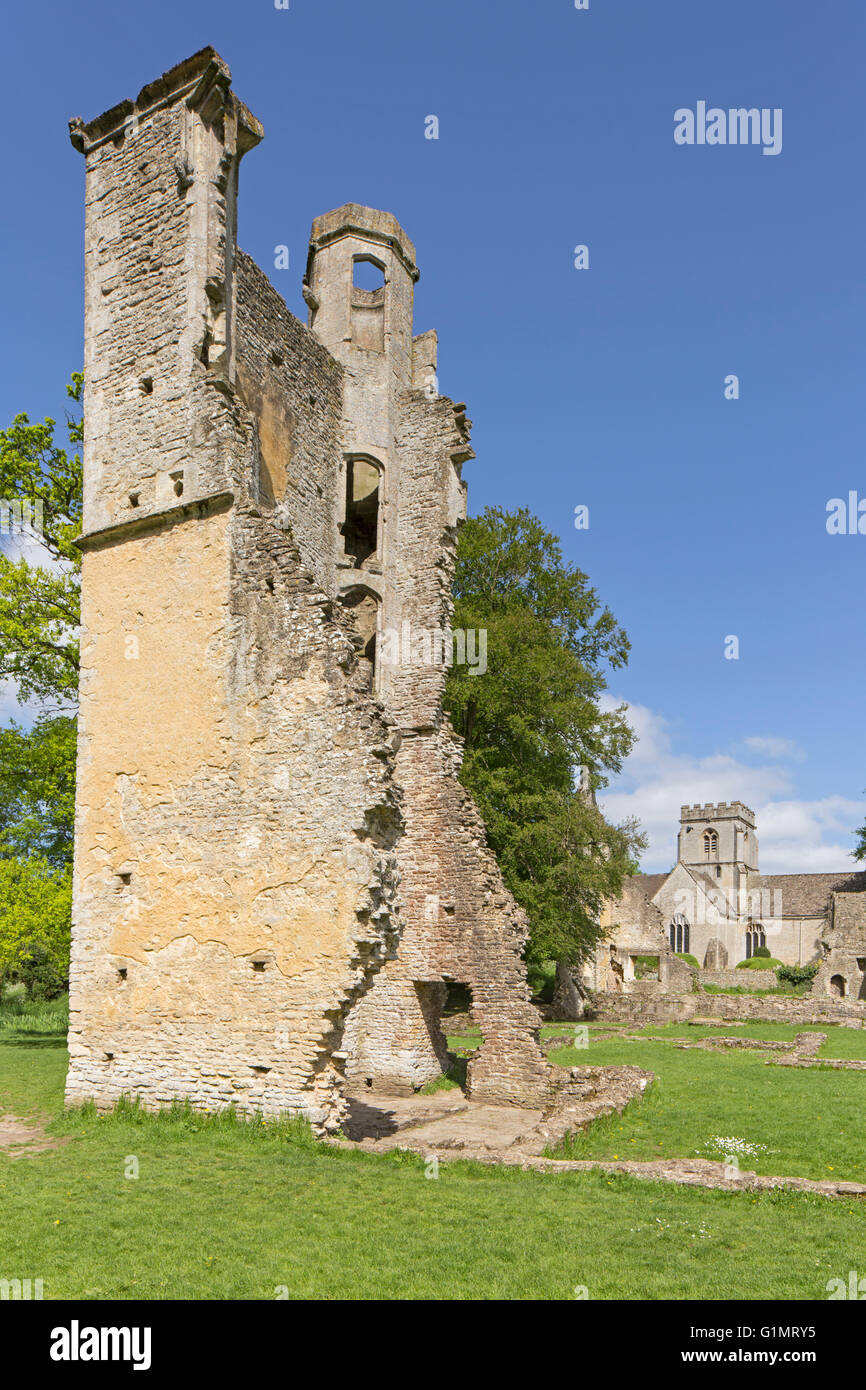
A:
720	842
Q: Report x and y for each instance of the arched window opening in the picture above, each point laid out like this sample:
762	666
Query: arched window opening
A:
755	937
368	304
361	526
368	274
711	844
679	934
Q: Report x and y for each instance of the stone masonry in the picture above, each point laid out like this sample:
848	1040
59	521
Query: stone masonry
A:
277	871
842	969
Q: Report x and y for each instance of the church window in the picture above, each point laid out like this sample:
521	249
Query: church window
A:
755	937
679	934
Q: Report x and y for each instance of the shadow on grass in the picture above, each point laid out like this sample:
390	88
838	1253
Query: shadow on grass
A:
457	1068
453	1078
16	1038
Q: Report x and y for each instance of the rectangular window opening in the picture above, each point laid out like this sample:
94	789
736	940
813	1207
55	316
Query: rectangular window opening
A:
361	527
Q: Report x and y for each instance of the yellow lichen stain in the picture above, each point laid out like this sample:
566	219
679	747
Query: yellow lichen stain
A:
203	891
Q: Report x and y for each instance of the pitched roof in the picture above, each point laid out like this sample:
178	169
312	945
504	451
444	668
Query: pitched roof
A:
803	895
719	899
808	895
649	884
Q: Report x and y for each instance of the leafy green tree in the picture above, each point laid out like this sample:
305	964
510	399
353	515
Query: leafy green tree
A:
35	925
860	851
40	590
534	719
37	790
40	606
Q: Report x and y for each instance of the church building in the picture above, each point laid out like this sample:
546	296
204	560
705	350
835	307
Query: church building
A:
715	905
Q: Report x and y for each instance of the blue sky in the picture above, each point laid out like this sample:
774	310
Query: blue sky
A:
602	387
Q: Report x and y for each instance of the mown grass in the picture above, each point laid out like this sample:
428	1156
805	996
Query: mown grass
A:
33	1042
809	1121
226	1209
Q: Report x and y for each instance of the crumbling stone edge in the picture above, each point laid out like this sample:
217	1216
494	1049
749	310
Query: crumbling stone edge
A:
586	1094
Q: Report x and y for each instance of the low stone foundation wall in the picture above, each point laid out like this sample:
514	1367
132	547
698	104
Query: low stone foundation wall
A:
629	1008
745	979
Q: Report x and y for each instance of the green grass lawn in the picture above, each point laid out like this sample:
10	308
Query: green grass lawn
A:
226	1210
809	1122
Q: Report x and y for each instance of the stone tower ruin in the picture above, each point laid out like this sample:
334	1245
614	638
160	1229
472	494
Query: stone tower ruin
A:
277	871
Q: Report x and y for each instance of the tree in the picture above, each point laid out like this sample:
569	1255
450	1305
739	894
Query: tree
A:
860	851
40	606
533	720
35	925
37	790
40	597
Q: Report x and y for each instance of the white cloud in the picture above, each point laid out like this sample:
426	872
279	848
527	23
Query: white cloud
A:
795	836
26	545
808	837
775	747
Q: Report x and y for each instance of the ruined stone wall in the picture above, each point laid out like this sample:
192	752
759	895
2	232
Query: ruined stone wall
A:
843	948
293	387
461	923
431	445
161	194
671	1008
236	815
848	919
742	979
249	818
235	873
633	926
